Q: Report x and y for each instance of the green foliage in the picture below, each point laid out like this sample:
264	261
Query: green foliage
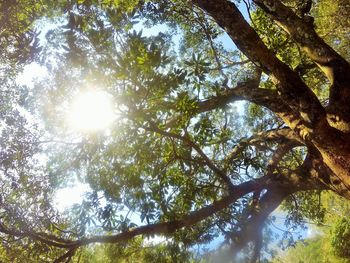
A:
341	237
136	251
152	164
330	244
312	250
333	31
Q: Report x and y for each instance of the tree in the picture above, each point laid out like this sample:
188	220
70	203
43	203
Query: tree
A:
329	241
177	155
308	251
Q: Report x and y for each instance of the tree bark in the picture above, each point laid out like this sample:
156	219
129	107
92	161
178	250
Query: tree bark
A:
305	115
334	66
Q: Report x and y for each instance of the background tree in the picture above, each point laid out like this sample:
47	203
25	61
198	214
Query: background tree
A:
329	240
177	156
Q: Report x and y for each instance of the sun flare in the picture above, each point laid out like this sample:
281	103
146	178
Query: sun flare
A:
91	111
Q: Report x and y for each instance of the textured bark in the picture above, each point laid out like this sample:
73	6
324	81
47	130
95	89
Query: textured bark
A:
293	90
338	161
335	67
306	117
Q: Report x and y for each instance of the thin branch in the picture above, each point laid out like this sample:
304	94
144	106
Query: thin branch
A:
279	153
231	64
211	43
248	7
189	142
281	136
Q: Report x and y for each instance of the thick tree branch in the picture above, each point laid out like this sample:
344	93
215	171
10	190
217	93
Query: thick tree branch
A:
265	182
335	67
165	228
306	177
248	90
252	229
310	119
245	91
293	90
158	228
67	256
50	241
280	136
314	166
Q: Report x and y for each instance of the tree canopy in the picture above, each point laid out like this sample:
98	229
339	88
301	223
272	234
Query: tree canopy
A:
222	111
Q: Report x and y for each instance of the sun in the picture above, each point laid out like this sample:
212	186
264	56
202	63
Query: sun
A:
91	111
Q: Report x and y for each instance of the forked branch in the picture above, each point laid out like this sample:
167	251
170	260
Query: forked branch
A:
335	67
292	89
